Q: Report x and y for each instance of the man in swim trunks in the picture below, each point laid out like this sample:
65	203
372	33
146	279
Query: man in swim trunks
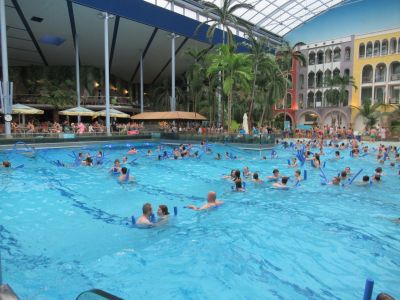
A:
145	218
211	202
256	179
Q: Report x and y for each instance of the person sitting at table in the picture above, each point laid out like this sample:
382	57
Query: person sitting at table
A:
30	127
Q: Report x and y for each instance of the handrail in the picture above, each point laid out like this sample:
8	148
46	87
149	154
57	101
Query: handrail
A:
96	294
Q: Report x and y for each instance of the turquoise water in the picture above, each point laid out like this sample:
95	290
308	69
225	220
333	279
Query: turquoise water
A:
64	230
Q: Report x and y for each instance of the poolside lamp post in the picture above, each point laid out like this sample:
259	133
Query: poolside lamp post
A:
106	16
141	82
173	99
6	87
77	75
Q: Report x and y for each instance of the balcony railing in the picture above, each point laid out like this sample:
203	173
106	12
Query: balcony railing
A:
367	79
89	100
395	77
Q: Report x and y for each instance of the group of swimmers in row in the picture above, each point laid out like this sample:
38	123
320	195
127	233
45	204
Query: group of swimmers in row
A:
147	219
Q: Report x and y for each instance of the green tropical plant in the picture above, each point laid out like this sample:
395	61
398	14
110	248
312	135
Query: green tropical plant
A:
258	51
273	85
162	97
370	113
285	56
58	94
195	76
237	70
344	82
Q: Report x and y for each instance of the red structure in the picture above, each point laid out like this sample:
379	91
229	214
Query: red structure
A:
291	100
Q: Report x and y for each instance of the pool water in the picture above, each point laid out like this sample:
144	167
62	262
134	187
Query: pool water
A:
66	230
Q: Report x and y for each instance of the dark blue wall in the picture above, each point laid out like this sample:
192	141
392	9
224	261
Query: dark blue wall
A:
154	16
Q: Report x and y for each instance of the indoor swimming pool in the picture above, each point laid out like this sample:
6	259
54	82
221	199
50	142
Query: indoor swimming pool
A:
68	229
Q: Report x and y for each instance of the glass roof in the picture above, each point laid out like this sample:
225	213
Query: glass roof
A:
281	16
275	16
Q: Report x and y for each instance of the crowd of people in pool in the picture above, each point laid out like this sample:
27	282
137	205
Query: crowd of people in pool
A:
304	152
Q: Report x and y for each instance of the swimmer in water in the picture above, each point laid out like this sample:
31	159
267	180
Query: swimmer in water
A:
293	163
132	151
297	175
275	175
317	161
283	183
124	159
117	167
365	181
211	202
231	176
6	164
218	157
162	213
246	172
348	171
149	152
337	155
343	175
124	176
376	178
145	218
88	162
99	154
256	179
335	181
238	182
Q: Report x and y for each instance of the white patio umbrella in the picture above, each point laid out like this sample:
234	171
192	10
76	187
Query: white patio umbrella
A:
78	111
245	124
113	114
23	110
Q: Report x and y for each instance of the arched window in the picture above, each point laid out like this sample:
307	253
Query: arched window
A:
311	80
380	73
347	53
327	74
377	48
361	51
346	101
384	50
318	99
289	100
301	101
336	72
310	100
398	46
395	71
369	49
319	79
366	94
324	102
311	58
301	81
336	54
393	46
379	96
367	74
328	56
347	72
320	57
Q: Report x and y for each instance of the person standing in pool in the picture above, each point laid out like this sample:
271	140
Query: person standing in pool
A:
162	213
145	218
211	202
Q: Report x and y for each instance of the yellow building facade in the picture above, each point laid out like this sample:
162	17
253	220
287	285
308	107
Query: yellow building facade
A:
376	69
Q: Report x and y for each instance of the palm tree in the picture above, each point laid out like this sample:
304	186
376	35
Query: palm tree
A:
258	51
161	94
273	86
369	112
195	76
285	56
343	82
222	16
237	70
